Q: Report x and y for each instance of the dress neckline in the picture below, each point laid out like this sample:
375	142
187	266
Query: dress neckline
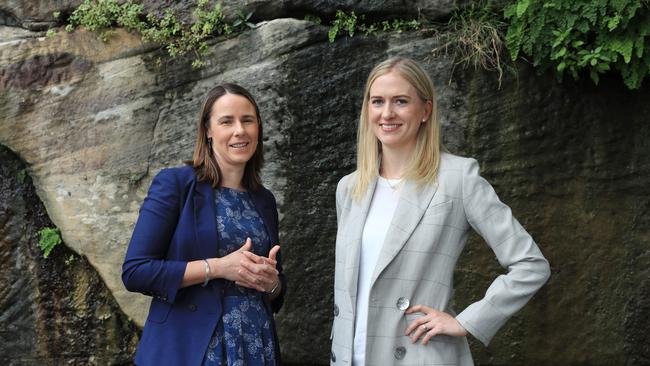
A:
234	190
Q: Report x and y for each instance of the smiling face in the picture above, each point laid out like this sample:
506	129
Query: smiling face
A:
396	111
234	129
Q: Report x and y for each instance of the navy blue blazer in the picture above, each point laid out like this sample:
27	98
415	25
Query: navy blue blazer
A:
176	225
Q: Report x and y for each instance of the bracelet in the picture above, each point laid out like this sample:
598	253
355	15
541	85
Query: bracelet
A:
207	273
274	288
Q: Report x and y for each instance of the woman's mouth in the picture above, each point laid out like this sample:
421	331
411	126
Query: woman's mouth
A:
389	127
239	145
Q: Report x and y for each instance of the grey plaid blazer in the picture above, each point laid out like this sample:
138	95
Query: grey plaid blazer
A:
426	236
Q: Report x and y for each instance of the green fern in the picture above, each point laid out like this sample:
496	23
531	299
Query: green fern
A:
580	36
48	239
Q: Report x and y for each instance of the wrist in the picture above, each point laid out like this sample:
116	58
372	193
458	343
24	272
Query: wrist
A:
215	268
206	272
275	288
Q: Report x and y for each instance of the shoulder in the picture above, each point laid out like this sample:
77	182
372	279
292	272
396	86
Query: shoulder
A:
455	173
265	193
345	185
457	167
181	173
452	162
174	178
263	198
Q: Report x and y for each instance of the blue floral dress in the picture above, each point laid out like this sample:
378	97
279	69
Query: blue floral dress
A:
244	335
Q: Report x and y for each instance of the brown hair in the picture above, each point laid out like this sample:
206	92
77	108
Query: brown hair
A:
203	161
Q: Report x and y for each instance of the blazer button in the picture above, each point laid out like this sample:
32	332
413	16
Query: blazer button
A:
191	307
333	356
336	310
400	352
403	303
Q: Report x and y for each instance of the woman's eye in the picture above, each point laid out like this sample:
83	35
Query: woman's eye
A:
225	122
376	102
401	101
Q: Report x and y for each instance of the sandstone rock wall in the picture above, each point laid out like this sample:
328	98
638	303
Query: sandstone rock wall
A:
52	311
95	121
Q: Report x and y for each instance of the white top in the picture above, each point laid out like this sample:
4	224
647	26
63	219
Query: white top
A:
382	208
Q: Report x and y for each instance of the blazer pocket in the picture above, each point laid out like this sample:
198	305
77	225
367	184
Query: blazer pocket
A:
437	213
159	311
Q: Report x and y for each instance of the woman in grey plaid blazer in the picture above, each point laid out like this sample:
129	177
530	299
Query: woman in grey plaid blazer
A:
403	218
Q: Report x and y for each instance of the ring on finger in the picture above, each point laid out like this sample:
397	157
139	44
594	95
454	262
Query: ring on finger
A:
425	328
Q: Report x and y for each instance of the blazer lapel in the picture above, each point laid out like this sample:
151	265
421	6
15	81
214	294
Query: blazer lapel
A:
266	213
205	220
412	204
358	211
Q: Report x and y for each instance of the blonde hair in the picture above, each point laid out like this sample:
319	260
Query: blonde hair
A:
425	162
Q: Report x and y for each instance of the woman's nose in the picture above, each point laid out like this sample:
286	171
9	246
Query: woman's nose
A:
239	128
387	112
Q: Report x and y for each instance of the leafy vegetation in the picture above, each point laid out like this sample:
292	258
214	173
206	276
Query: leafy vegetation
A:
351	23
70	260
582	36
177	38
313	19
49	238
571	37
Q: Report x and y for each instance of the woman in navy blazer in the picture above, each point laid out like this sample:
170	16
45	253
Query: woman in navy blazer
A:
174	255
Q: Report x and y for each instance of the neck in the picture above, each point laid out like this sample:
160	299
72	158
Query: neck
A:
394	162
231	177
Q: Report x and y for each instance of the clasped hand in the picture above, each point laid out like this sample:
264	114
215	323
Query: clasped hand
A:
250	270
431	324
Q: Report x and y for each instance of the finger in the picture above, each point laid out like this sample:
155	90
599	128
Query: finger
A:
266	265
249	285
261	281
266	282
274	253
252	267
256	282
254	257
428	335
268	270
417	333
245	275
264	270
421	308
247	245
246	284
260	259
415	324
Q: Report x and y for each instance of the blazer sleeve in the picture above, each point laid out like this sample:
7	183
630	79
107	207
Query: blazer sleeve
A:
146	268
515	250
276	304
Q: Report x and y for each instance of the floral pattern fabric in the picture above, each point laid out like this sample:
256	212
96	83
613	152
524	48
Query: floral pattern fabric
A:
244	334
